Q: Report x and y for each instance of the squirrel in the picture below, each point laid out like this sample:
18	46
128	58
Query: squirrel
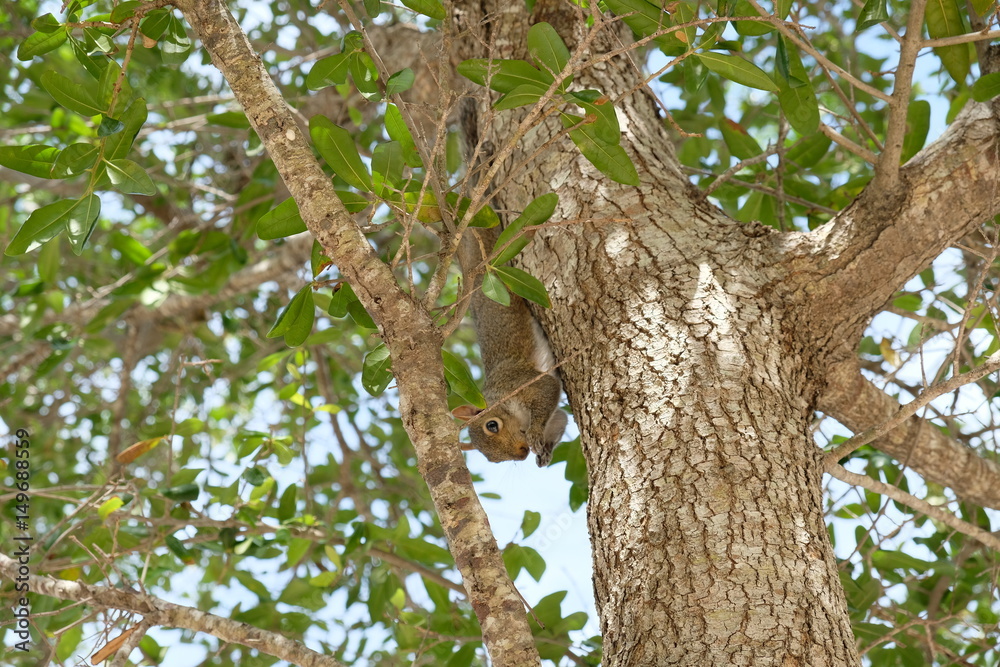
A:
520	382
521	385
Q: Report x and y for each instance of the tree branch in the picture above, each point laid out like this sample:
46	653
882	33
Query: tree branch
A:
946	190
161	612
857	404
947	518
407	329
887	169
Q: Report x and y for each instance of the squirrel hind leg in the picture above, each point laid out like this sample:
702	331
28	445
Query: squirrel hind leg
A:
553	434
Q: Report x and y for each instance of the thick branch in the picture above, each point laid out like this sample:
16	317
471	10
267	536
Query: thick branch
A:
858	404
946	190
161	612
409	332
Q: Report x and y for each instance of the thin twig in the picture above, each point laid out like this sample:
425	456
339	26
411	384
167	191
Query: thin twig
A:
906	411
947	518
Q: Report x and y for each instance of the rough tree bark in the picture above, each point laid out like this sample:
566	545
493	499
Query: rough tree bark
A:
695	350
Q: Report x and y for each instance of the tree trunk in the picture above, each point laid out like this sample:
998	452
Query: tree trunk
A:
705	507
693	399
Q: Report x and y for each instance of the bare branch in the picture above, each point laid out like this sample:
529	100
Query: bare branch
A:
992	364
161	612
947	518
887	169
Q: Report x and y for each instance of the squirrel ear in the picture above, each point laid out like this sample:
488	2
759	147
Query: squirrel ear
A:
465	412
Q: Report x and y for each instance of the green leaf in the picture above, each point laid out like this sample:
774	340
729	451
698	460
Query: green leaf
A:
873	13
360	315
807	152
39	43
530	522
82	221
800	106
740	143
234	119
46	222
373	7
397	130
46	23
535	213
503	76
523	95
69	640
129	178
354	202
642	17
365	75
493	289
547	49
301	302
387	167
523	284
337	147
255	476
399	82
109	506
736	69
72	95
329	71
281	221
119	144
513	559
982	7
431	8
460	380
155	23
944	19
918	122
598	105
286	506
124	10
343	296
485	217
986	87
533	563
183	493
609	158
376	373
178	549
750	28
109	126
35	160
796	94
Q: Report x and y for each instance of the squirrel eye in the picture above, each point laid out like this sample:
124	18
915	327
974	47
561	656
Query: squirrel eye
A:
493	426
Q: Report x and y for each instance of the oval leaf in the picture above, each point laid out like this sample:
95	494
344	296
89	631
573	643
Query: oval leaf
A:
523	284
292	313
736	69
460	380
337	147
281	221
493	289
375	372
547	48
129	178
72	95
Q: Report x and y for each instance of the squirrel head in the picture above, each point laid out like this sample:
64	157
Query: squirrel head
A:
496	432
